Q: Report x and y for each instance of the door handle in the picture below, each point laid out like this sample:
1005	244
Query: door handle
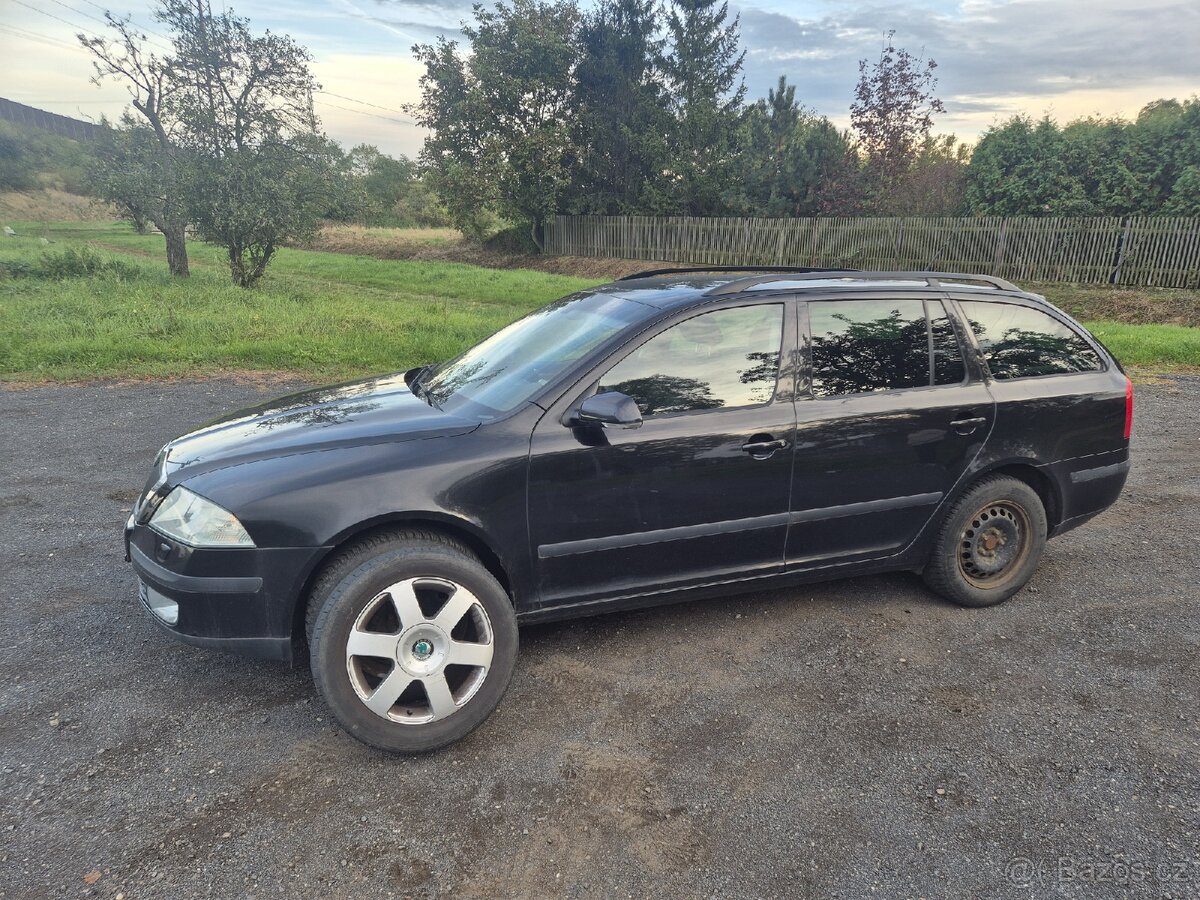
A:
764	448
968	424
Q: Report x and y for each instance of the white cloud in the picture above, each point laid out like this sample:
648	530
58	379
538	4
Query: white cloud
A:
995	57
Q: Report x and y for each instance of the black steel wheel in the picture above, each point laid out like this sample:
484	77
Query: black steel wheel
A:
989	543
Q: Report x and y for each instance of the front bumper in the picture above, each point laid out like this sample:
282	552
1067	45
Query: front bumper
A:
242	599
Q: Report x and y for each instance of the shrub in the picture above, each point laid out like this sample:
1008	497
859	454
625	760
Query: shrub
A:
73	262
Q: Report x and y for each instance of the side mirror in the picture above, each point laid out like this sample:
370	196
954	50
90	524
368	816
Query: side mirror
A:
610	408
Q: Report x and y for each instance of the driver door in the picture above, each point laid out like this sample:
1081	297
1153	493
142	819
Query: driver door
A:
698	493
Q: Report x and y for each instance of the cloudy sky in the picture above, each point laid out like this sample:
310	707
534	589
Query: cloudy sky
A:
1068	58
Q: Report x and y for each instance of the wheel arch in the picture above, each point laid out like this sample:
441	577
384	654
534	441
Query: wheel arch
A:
1031	474
460	529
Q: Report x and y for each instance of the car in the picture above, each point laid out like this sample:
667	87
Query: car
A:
674	435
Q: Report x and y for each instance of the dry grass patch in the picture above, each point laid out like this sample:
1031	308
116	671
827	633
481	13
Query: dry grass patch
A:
49	206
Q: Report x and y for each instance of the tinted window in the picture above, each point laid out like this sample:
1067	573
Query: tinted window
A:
947	355
1018	342
714	361
859	346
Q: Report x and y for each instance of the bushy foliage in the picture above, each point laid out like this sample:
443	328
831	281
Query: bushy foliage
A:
225	138
389	192
71	262
500	118
1091	167
789	158
31	158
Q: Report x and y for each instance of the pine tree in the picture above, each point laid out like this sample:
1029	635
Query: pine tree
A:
704	72
623	117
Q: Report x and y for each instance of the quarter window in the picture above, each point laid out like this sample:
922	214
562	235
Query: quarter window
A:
863	346
1019	342
718	360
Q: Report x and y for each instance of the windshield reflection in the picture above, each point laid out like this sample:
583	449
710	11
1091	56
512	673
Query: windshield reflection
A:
513	365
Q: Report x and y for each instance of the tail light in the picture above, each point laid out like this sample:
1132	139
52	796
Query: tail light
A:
1128	407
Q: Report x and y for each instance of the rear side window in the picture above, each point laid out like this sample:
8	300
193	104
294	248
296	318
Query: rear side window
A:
1019	342
863	346
718	360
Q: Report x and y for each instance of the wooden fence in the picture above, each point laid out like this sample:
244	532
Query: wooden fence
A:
1152	251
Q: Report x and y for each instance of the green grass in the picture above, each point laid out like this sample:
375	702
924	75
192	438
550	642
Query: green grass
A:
1151	347
323	315
328	316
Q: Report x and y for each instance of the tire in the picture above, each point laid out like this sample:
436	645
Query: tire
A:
412	641
989	544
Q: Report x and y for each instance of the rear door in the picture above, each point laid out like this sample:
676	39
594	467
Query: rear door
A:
699	492
889	417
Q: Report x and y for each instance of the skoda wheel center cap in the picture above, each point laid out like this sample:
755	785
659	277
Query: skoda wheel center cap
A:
422	649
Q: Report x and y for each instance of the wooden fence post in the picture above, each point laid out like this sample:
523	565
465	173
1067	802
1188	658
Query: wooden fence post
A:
1122	240
998	256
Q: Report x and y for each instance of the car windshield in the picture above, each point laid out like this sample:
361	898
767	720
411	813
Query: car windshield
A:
515	363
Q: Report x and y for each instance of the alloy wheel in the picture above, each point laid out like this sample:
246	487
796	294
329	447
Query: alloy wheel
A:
419	650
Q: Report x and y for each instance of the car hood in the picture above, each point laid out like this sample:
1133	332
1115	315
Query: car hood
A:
370	411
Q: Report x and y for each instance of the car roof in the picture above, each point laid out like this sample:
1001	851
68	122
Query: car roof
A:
672	288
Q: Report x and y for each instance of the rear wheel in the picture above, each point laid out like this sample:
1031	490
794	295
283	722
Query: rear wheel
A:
412	641
989	544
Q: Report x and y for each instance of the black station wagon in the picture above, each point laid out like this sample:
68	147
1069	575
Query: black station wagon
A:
674	435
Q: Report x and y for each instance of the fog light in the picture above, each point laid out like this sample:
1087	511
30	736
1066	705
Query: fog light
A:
163	607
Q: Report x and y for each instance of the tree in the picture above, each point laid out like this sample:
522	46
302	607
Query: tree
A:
787	158
232	115
253	200
622	115
261	172
1097	154
1019	169
500	119
1185	194
122	175
131	172
892	113
1165	143
935	183
388	191
703	69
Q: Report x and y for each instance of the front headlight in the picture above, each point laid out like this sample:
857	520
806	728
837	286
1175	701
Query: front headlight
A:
190	518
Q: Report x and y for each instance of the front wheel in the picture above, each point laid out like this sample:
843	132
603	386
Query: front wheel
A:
989	544
412	641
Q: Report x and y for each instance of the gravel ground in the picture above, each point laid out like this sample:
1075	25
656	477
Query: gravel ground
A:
848	739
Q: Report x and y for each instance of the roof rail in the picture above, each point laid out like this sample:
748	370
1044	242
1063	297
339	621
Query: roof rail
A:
699	270
933	279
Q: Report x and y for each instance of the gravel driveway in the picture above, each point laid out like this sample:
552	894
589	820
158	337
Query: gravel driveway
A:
853	739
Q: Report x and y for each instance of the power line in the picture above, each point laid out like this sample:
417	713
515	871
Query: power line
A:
38	36
363	112
72	24
363	102
80	12
102	9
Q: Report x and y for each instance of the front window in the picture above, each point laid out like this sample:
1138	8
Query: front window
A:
719	360
514	364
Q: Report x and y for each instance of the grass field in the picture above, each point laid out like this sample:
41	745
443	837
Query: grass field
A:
321	315
328	315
